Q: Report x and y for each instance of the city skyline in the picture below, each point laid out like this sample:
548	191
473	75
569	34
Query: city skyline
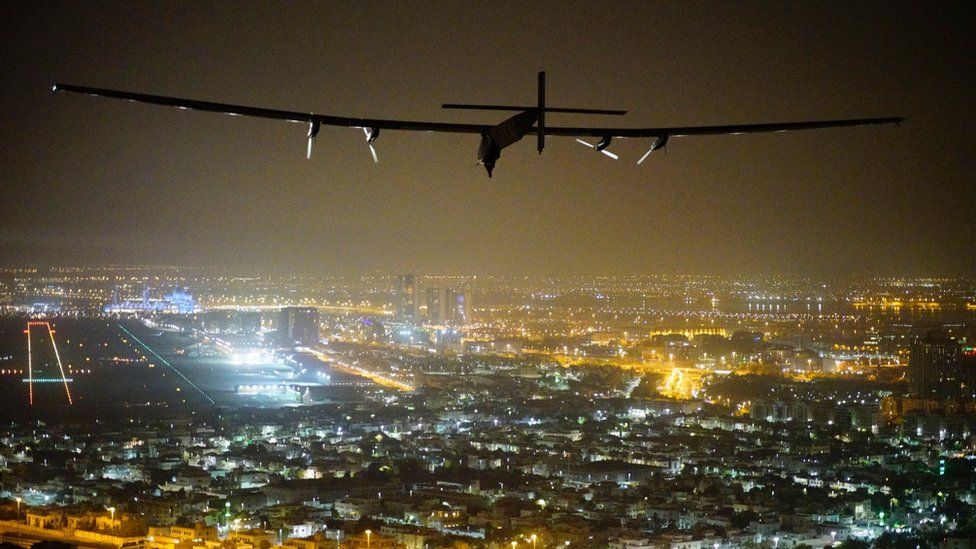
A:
159	408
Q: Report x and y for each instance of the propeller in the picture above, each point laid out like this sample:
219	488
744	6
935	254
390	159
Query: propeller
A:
371	135
313	130
659	143
601	146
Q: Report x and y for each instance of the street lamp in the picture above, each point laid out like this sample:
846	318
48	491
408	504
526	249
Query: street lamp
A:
18	507
776	542
532	537
112	510
368	534
833	537
513	544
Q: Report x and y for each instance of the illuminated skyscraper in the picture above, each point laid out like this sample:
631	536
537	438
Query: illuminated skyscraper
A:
298	326
446	306
406	298
458	308
436	305
933	367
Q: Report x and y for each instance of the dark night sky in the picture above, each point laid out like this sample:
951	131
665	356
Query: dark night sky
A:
89	180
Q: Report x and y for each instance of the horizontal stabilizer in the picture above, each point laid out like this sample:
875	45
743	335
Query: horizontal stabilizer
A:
516	108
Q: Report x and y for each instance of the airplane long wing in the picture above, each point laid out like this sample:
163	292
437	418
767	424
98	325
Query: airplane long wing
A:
687	131
275	114
423	126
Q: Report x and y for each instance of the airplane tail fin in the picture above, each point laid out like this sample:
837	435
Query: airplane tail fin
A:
541	135
540	106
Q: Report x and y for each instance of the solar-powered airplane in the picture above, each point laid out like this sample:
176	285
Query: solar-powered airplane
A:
494	138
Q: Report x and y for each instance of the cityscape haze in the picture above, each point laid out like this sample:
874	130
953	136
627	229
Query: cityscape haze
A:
99	182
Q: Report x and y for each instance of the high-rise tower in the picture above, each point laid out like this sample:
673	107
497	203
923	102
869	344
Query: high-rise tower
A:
933	367
406	298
